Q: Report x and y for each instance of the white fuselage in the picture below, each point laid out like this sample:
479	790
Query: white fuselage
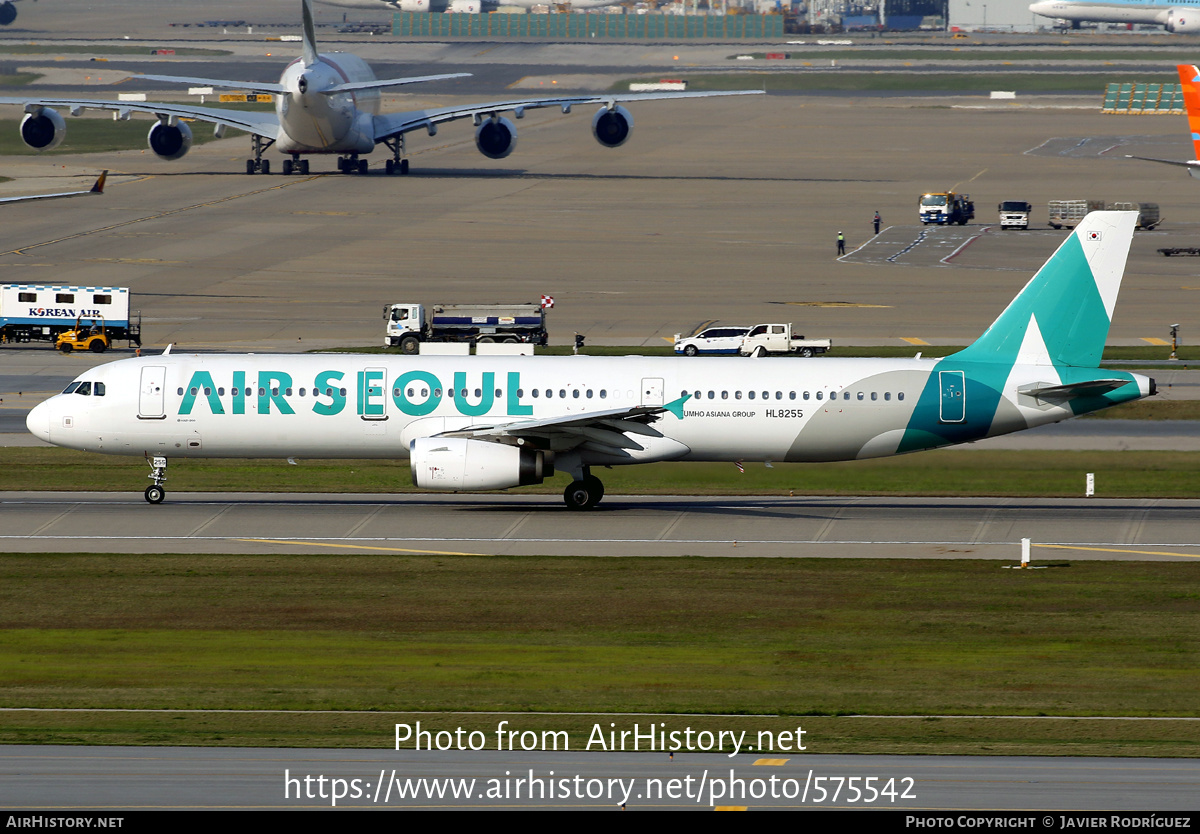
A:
335	406
312	121
1113	12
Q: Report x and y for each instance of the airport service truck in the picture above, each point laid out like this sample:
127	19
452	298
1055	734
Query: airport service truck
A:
1014	214
764	339
35	312
410	324
945	208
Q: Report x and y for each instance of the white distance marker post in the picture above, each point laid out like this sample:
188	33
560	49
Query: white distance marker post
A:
1024	553
1091	485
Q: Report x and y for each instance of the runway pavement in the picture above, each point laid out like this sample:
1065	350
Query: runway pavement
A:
508	524
117	778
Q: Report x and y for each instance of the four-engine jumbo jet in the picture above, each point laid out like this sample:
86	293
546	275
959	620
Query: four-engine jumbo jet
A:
1189	79
478	423
329	104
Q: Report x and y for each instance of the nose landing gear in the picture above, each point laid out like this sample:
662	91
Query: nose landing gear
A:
158	473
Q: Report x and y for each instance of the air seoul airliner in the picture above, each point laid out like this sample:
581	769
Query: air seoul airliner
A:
329	104
1189	80
484	422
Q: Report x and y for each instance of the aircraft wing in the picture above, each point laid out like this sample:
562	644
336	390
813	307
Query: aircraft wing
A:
263	124
394	124
97	188
602	430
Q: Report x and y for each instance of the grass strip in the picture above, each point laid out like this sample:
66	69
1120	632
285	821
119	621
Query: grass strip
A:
808	640
965	473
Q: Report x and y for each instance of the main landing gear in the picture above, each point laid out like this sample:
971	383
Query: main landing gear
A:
352	164
158	473
258	165
584	494
295	165
397	164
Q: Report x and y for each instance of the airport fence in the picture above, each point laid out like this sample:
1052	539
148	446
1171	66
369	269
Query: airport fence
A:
588	26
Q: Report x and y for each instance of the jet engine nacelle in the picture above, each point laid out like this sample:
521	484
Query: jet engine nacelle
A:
463	7
612	127
497	138
8	13
453	463
43	130
170	141
1183	20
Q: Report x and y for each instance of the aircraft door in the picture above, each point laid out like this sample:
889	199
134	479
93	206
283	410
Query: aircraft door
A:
372	394
152	394
652	391
954	396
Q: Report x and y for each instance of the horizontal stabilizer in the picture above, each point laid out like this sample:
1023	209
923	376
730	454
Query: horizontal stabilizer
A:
1191	163
249	86
1090	388
390	82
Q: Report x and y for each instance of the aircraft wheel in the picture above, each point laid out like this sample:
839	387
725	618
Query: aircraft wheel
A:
389	167
155	494
266	166
304	167
403	167
583	495
249	166
362	166
287	167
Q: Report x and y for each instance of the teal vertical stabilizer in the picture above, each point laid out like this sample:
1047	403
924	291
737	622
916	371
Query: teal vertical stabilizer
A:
1070	300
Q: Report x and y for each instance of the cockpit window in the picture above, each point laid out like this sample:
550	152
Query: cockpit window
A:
97	389
70	389
84	389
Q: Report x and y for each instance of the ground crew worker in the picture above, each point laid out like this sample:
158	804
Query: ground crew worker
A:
878	220
841	243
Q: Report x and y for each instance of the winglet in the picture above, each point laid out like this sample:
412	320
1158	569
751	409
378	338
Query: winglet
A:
1189	80
310	35
676	407
98	187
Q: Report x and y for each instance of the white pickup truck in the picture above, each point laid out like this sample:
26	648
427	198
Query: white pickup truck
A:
765	339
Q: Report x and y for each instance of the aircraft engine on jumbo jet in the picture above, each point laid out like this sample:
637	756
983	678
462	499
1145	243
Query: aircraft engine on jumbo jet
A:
43	129
170	141
612	127
1183	20
454	463
8	13
496	138
463	7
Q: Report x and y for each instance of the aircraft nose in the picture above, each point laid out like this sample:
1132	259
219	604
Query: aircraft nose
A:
38	421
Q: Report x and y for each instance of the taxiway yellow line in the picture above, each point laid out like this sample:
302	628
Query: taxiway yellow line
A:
361	547
1118	550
